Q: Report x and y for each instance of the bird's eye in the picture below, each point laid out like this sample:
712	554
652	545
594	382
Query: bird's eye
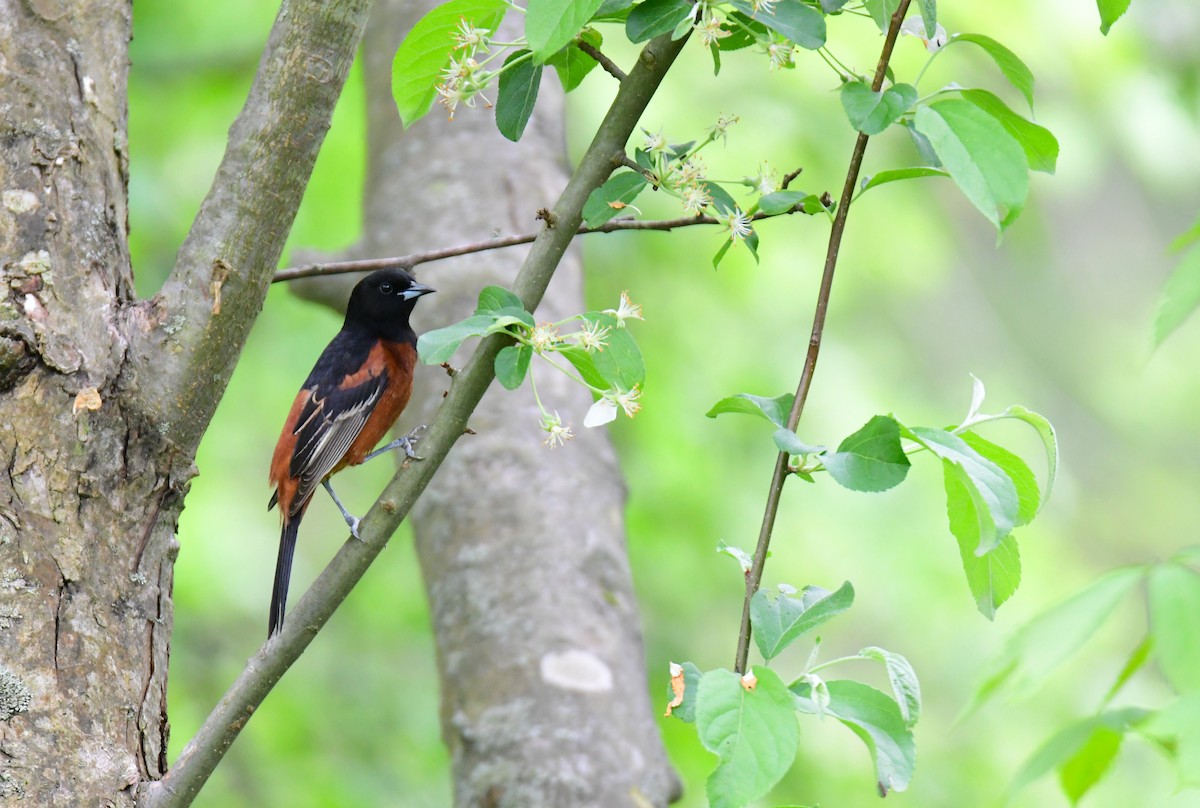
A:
385	288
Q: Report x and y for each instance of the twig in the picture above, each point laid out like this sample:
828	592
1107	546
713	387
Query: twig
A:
205	750
610	67
754	576
413	259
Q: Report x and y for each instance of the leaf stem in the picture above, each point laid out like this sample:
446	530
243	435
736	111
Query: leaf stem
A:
780	475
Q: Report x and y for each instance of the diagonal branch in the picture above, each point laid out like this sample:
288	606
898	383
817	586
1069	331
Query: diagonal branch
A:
754	574
185	340
413	259
221	728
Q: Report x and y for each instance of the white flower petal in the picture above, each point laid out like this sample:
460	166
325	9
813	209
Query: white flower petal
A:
600	413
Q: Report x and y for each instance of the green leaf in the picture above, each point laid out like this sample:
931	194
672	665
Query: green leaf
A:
897	174
686	711
1045	431
753	732
722	201
611	198
791	19
832	6
783	201
985	161
1110	12
511	364
992	578
1017	73
980	498
620	360
572	64
929	16
1085	747
1039	143
551	24
518	94
655	17
881	12
584	365
737	554
746	32
1046	641
1187	238
777	623
788	441
1177	728
1028	496
1173	592
1137	658
870	112
775	410
903	680
417	68
1180	296
875	718
494	298
437	346
613	11
871	459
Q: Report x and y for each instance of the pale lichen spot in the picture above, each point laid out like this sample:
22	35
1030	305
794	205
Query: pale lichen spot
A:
578	670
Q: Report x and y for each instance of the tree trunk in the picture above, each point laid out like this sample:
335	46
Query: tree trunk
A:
539	642
102	398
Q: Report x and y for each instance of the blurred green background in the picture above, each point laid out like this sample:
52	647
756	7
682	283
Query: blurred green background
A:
1056	317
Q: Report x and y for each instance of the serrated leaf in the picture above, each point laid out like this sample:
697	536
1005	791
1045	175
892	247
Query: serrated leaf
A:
517	95
584	365
871	459
929	15
494	298
1039	143
551	24
992	578
1173	593
897	174
986	163
654	18
872	112
903	679
572	64
511	365
875	718
779	202
788	441
610	198
981	499
417	67
778	622
775	410
791	19
1180	296
881	12
752	731
1028	495
1110	12
1017	72
437	346
1046	641
620	361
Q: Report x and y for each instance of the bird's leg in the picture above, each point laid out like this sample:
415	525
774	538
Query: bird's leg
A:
351	520
406	443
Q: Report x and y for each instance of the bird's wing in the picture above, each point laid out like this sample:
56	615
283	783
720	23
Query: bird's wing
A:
328	424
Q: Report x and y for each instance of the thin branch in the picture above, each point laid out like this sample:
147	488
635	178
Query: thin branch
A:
610	67
413	259
754	575
202	754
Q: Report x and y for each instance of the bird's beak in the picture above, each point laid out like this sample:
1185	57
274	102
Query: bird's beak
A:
416	290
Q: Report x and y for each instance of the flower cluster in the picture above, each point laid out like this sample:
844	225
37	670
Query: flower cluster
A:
464	78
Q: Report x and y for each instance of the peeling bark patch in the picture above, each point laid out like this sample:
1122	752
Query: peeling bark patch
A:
14	695
577	670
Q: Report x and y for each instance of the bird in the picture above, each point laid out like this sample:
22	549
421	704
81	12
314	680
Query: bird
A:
357	389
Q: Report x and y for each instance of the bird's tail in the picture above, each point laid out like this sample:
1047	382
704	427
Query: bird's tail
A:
283	573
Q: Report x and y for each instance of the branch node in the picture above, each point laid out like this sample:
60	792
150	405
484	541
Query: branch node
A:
451	371
546	215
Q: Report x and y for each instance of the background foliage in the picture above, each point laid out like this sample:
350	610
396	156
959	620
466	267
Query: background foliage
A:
1058	317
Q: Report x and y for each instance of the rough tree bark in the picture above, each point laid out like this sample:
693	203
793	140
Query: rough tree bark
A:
103	398
522	548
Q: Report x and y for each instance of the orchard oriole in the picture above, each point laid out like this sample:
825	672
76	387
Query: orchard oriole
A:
352	397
